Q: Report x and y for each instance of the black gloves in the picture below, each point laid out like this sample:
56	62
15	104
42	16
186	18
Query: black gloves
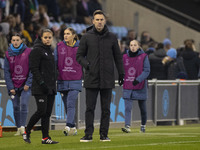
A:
45	88
135	82
88	66
121	79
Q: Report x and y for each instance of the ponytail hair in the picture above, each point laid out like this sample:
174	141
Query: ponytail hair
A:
73	32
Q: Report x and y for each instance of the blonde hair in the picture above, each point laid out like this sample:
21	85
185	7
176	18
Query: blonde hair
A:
136	42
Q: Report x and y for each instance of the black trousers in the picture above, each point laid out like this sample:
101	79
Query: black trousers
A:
91	99
44	110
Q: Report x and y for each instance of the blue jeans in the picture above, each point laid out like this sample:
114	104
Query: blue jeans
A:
69	99
128	108
20	107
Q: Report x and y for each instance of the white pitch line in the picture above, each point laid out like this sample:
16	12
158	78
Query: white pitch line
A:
167	134
133	145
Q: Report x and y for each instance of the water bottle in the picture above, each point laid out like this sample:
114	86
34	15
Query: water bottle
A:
1	131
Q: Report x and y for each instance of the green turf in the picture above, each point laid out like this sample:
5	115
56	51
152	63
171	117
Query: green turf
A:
156	138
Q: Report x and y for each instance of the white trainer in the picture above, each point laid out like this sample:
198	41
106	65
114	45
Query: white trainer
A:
73	131
22	130
70	131
66	131
18	132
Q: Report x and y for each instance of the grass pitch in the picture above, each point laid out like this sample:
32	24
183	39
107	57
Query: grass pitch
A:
156	138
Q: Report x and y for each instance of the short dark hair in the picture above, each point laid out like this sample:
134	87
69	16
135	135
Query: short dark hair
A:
17	34
99	12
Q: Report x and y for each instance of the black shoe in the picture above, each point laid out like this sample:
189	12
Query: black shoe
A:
86	138
26	137
104	138
142	128
49	141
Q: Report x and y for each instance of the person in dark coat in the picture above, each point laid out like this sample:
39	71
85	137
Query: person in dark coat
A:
158	70
174	65
83	12
93	6
190	60
97	52
42	66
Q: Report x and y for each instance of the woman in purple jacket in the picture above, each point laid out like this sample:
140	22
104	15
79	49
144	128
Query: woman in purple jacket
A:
137	69
69	81
18	79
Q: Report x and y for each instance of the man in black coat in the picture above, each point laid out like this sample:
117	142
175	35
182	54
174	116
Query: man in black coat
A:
97	52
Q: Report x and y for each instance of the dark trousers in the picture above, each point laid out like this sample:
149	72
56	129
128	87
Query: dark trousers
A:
44	109
143	111
128	109
91	99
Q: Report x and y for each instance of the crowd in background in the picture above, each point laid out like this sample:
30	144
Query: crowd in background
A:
167	62
29	17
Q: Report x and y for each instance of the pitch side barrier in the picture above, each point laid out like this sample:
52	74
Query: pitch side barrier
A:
168	100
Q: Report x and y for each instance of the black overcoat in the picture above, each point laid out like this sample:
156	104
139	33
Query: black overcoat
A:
100	51
42	66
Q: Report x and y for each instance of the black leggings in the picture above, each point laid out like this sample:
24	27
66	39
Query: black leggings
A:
44	109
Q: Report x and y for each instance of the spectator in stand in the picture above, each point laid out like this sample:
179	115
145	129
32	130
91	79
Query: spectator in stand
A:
122	46
151	47
18	7
83	12
158	71
28	40
37	30
56	36
5	27
145	40
2	9
30	29
3	48
174	65
167	44
31	9
12	23
132	35
18	79
93	6
18	21
137	69
43	16
190	60
52	7
13	27
67	10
